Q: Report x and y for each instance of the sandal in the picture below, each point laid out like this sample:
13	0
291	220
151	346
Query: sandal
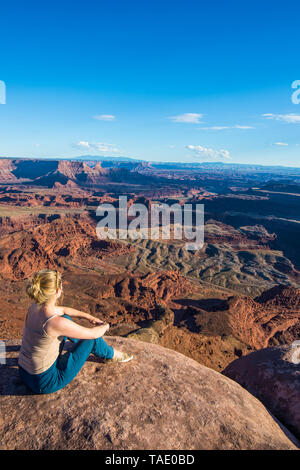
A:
124	358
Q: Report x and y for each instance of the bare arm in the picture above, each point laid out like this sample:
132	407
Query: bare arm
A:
60	326
72	312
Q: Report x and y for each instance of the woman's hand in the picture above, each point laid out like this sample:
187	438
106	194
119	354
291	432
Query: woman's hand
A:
102	329
94	320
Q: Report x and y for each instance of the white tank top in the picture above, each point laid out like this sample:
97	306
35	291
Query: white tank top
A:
38	350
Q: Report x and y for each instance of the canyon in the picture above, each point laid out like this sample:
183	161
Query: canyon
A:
235	297
239	293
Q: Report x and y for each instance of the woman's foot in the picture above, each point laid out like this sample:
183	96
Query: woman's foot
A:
120	356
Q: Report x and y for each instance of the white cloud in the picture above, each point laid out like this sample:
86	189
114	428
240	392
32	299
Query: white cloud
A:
290	118
221	128
97	146
105	117
190	118
214	128
204	152
83	144
281	144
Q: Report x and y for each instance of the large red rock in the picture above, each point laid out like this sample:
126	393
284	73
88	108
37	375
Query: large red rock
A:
273	376
160	400
43	245
269	320
7	167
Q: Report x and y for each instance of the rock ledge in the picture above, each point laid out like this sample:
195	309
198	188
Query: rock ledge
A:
160	400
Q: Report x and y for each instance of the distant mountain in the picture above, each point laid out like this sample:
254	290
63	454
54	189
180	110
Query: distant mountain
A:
50	173
129	163
222	166
105	158
218	175
77	172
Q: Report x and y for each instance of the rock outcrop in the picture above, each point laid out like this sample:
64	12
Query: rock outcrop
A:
273	376
7	167
65	172
153	332
167	284
160	400
269	320
64	237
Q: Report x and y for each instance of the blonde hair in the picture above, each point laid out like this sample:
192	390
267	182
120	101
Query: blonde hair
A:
43	285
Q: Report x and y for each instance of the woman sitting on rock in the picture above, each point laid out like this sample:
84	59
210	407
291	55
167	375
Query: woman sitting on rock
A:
42	366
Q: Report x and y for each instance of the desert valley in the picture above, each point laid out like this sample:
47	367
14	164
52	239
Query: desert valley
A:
239	293
232	306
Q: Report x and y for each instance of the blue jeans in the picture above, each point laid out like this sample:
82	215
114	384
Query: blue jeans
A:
66	367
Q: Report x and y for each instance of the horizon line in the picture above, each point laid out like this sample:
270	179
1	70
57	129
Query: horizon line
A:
133	159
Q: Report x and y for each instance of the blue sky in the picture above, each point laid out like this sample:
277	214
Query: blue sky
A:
159	80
